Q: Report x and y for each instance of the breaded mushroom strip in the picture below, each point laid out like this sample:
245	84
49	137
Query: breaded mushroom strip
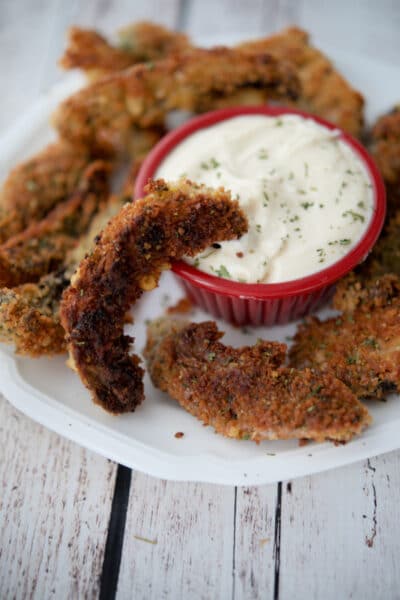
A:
139	42
364	294
43	246
101	115
386	151
36	186
325	92
171	221
30	313
247	393
361	348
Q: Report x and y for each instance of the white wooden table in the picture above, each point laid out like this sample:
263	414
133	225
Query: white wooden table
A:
75	525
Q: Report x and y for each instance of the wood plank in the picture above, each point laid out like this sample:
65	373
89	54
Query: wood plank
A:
340	533
178	541
54	509
255	537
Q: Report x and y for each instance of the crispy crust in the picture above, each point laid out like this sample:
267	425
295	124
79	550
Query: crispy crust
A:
90	51
386	145
172	220
324	91
101	116
36	186
30	313
386	151
29	316
43	246
140	42
361	348
246	393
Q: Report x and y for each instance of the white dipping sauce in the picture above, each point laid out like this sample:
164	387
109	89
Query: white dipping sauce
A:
307	196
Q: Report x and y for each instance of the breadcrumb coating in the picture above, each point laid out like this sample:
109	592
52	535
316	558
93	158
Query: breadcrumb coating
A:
172	220
360	347
36	186
324	91
43	246
101	115
247	393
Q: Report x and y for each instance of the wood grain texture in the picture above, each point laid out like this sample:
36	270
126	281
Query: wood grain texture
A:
178	541
340	533
255	550
55	501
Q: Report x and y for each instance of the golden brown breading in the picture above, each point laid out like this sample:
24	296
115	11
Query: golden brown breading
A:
43	246
34	187
324	91
90	51
137	244
386	145
29	316
246	393
30	313
361	348
140	42
101	115
386	151
363	294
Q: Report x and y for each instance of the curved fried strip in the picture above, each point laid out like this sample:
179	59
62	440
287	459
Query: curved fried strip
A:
42	247
324	91
101	115
139	42
246	393
361	348
34	187
30	313
172	220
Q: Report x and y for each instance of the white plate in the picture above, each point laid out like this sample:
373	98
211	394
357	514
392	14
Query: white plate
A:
50	393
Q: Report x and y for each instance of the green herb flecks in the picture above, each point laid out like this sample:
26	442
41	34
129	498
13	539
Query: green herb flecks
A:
263	154
306	205
354	215
223	272
211	164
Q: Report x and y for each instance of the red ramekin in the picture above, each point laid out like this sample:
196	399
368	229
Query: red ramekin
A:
266	303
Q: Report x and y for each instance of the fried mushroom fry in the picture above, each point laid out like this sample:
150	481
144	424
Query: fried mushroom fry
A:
324	91
30	313
386	151
139	42
101	116
43	246
171	221
247	393
36	186
361	348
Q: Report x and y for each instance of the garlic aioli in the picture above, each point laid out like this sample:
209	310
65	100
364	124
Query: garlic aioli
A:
307	196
